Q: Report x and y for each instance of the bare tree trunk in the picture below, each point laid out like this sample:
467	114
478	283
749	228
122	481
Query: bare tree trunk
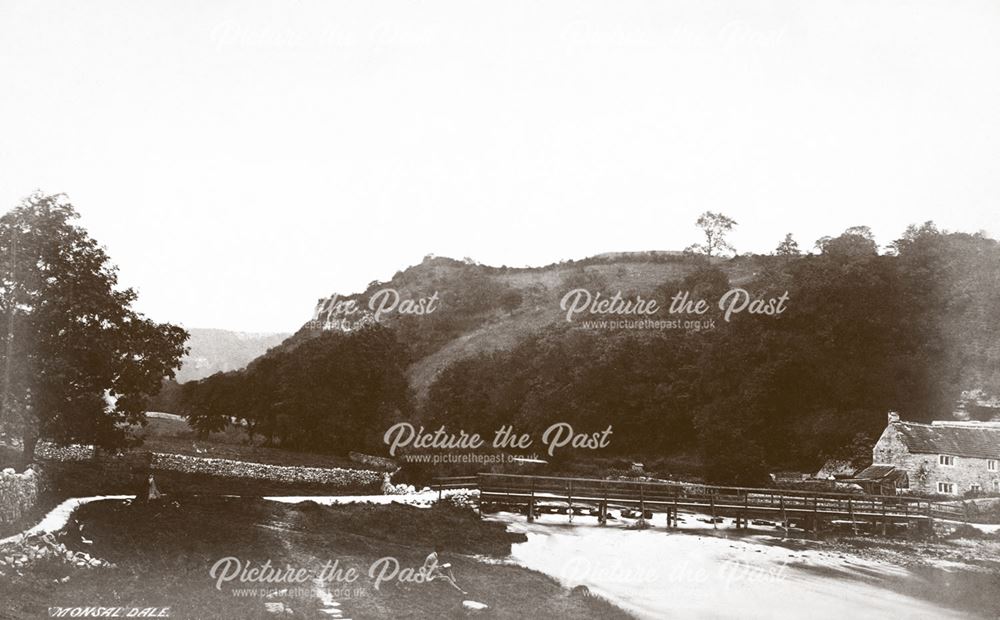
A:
5	403
28	449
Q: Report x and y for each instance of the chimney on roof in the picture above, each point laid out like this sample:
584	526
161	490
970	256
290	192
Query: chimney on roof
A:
893	417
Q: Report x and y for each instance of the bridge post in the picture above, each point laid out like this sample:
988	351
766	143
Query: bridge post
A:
569	500
746	510
602	513
642	506
784	521
531	503
850	510
675	511
715	525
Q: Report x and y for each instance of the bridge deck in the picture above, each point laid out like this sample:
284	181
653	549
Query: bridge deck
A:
741	502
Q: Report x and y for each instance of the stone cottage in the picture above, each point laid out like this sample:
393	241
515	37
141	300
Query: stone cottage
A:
944	457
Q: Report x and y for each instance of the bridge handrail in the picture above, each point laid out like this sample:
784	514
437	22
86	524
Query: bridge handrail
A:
497	484
454	482
707	487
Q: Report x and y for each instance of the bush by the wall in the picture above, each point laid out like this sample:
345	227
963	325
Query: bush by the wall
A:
18	493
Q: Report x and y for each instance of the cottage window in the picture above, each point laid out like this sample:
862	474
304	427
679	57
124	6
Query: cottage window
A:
991	465
996	486
975	488
944	459
946	487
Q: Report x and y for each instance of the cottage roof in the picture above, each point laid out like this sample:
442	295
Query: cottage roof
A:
973	441
874	472
883	473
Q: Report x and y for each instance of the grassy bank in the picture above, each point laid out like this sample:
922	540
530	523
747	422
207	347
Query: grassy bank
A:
163	553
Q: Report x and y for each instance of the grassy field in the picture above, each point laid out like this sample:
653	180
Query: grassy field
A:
176	437
163	553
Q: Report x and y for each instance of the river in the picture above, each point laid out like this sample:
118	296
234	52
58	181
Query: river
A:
698	572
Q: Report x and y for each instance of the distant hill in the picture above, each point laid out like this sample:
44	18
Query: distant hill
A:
220	350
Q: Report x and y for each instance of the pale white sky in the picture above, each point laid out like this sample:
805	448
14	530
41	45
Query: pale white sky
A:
241	159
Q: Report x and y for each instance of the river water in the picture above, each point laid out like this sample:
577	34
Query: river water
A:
699	572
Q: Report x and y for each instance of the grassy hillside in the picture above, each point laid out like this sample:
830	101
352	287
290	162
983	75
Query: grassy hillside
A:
475	315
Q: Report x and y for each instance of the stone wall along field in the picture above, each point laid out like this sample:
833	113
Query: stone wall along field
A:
136	466
261	471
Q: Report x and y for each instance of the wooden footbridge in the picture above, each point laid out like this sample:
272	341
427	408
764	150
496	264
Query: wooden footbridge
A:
532	495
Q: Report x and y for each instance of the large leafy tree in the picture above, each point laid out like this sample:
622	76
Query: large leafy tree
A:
78	361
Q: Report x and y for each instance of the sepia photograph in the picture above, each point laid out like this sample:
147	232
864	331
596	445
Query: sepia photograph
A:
676	309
